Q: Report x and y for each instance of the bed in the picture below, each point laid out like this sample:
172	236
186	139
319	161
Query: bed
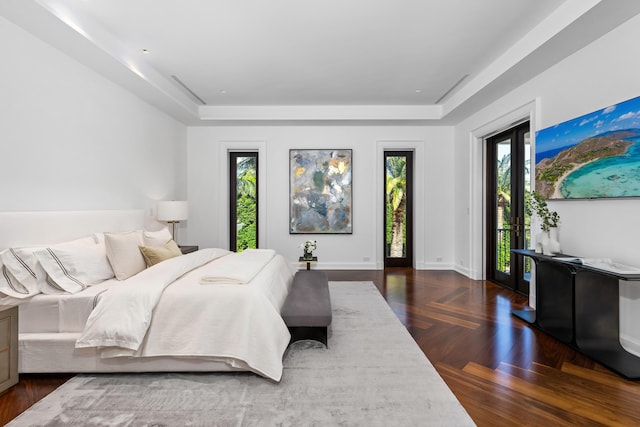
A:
210	310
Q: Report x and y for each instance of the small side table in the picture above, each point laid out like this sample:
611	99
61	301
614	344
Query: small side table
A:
188	249
8	346
308	261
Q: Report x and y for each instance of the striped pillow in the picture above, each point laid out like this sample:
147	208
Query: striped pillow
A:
71	267
20	273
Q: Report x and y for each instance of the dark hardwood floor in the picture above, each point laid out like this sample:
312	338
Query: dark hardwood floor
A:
503	372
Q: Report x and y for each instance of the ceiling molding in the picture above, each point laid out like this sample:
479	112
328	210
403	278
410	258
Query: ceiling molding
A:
321	113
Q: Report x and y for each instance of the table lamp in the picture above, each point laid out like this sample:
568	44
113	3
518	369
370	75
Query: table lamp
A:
173	212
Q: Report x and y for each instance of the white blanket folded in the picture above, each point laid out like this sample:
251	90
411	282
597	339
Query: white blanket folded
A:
238	268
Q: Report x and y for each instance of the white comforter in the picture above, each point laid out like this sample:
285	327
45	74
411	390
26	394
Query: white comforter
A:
165	311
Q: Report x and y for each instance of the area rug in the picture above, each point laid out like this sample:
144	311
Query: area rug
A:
372	374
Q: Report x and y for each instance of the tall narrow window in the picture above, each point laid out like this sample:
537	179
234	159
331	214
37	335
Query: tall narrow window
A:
243	202
398	208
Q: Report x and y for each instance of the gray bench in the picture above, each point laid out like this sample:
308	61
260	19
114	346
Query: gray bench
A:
307	308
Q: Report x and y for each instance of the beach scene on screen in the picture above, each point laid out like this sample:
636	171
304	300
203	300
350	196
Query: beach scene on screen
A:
592	156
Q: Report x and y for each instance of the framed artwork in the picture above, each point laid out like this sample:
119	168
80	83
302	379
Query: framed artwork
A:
596	155
320	192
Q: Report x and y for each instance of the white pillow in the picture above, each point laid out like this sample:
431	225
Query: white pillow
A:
124	254
72	266
157	238
99	237
21	274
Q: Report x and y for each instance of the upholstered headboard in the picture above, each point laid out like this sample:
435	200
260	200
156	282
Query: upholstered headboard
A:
33	228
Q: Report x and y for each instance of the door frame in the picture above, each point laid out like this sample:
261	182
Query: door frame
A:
221	196
475	242
418	146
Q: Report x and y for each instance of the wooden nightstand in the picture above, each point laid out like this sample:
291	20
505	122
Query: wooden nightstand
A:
8	346
188	249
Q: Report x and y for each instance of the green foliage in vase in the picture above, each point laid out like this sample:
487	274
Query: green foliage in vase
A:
537	205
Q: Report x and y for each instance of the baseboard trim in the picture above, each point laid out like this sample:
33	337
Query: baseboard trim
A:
462	270
434	266
376	266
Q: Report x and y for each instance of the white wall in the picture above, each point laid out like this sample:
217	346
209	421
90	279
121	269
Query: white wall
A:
208	183
603	73
72	140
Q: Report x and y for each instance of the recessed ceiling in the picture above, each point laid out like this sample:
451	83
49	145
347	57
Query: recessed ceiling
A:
330	52
297	59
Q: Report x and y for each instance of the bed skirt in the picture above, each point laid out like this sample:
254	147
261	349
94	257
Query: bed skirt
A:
56	353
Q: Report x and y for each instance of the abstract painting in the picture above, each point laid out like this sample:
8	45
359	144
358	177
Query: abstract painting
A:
592	156
320	192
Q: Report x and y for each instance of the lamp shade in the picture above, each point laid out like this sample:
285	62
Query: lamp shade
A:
171	211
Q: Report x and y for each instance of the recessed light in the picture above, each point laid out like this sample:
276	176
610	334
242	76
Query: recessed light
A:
145	51
418	90
222	91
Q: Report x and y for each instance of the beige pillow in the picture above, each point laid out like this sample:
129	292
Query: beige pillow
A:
123	253
155	254
156	238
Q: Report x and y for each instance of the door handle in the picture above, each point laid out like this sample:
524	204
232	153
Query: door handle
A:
517	226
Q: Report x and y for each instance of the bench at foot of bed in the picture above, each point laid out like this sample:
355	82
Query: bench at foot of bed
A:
307	309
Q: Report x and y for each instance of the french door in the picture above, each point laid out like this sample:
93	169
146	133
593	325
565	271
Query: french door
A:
398	209
243	200
508	180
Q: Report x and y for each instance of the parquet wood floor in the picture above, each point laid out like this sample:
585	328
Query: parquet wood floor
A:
504	372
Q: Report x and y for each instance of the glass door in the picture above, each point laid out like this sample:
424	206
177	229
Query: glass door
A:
243	200
508	180
398	209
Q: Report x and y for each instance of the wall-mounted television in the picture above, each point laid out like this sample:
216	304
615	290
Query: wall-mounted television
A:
592	156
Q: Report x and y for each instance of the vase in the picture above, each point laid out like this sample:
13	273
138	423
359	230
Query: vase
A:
538	247
549	242
307	255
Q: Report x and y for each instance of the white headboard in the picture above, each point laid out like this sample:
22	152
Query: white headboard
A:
33	228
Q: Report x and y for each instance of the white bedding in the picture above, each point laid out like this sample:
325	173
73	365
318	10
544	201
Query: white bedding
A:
123	315
241	324
51	324
60	313
153	314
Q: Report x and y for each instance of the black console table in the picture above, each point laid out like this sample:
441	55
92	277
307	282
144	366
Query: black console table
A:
580	306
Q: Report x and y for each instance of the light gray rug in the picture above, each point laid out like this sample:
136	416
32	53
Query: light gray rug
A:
373	374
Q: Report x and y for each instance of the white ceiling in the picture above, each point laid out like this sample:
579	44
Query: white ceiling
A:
312	60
